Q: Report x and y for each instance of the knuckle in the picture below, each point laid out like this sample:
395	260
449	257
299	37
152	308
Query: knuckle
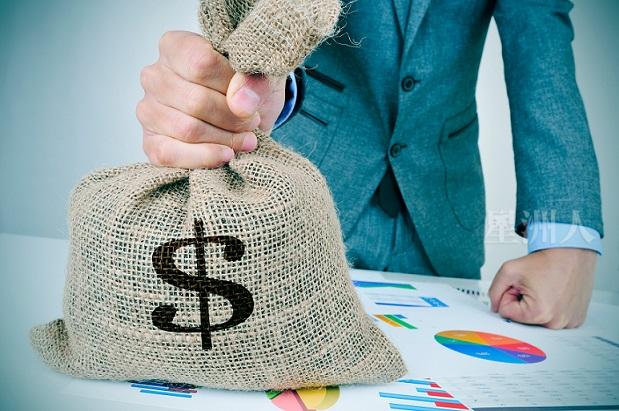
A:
239	125
146	76
556	324
197	102
235	141
166	38
214	156
163	155
186	130
141	110
149	148
575	323
504	312
202	63
502	268
542	315
507	268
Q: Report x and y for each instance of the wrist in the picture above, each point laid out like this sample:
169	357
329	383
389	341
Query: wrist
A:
549	235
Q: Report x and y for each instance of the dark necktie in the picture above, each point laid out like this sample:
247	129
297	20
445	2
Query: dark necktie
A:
388	194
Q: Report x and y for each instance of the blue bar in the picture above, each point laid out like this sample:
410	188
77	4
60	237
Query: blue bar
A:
416	398
420	382
151	387
416	408
434	302
375	284
150	382
400	305
170	393
430	390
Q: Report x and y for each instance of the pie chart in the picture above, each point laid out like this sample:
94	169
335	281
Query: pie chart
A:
491	347
305	399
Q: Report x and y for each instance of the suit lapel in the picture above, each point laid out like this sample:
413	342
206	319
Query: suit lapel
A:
401	8
417	12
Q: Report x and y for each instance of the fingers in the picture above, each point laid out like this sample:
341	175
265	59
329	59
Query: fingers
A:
191	137
517	296
558	322
507	298
189	98
549	287
524	309
513	306
193	58
503	281
160	119
208	105
509	295
167	151
578	319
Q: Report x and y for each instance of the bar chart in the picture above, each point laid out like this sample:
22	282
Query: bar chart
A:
421	395
157	387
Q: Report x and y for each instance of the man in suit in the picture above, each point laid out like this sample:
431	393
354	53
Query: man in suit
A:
392	124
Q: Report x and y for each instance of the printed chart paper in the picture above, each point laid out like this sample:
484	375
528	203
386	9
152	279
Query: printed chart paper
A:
459	356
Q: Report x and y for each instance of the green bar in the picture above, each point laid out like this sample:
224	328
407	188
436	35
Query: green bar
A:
401	322
272	394
404	286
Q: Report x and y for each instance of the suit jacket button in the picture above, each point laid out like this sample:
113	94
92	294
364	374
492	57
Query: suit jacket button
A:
396	149
408	83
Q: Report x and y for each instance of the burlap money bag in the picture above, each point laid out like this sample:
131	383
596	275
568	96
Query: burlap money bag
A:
228	278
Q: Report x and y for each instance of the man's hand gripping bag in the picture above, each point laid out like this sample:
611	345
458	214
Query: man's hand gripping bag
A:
228	278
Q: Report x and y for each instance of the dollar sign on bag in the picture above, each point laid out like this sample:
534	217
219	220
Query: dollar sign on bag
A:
239	297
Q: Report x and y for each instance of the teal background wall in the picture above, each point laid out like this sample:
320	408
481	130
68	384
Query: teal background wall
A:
69	82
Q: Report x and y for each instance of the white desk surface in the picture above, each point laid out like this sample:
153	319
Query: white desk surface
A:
32	272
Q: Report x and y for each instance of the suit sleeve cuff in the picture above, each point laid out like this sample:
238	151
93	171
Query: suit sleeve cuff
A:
544	235
289	103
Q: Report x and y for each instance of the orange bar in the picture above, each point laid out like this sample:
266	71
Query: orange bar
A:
387	320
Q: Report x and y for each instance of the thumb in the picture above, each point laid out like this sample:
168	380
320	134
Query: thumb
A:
246	93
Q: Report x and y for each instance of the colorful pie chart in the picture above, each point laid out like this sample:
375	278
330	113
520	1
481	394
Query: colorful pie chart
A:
305	399
491	347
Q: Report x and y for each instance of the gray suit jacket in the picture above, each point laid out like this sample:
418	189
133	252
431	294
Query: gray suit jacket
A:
405	96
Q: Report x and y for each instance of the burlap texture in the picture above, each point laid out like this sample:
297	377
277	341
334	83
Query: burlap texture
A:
228	278
269	37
